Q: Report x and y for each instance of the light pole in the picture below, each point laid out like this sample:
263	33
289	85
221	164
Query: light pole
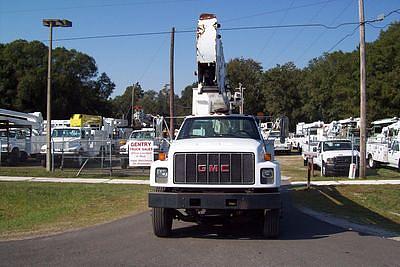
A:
51	23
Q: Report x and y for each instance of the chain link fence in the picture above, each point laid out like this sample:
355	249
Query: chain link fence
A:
77	156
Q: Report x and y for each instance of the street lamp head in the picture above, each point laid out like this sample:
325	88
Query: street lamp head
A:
57	23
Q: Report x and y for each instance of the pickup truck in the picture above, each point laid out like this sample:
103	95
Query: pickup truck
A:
335	156
15	146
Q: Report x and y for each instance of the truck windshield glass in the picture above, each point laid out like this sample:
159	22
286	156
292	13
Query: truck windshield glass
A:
3	134
66	133
328	146
142	135
225	127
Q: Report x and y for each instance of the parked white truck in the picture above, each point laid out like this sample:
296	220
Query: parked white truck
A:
19	135
218	165
74	144
383	149
280	145
335	156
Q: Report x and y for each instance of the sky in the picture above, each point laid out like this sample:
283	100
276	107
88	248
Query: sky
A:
145	59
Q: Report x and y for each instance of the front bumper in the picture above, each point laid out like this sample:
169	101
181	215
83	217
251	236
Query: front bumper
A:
337	168
282	148
232	201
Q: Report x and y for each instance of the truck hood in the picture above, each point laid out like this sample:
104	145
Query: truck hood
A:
216	145
339	153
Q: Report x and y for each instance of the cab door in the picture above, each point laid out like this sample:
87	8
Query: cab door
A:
394	154
20	141
318	159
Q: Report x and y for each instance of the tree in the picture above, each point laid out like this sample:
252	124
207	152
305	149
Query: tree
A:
105	86
75	85
122	104
282	92
247	72
184	103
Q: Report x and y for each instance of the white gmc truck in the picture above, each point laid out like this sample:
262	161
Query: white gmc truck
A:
218	165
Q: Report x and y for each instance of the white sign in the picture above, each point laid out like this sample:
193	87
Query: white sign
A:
140	153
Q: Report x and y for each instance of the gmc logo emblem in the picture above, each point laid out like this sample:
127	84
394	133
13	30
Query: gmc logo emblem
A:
213	168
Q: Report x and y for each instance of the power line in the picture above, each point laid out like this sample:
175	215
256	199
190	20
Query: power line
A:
120	35
153	59
278	11
369	22
239	28
344	38
97	6
378	27
277	56
273	33
319	36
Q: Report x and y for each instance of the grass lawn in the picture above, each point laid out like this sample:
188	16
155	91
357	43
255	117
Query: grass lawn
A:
375	205
36	171
292	166
28	209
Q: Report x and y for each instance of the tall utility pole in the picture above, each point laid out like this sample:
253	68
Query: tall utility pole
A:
171	86
133	98
51	23
363	94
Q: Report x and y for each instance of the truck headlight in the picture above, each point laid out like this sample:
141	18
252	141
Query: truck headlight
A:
267	176
161	175
330	160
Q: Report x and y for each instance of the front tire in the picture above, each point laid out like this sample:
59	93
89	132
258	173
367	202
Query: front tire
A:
271	223
14	157
371	162
162	221
124	163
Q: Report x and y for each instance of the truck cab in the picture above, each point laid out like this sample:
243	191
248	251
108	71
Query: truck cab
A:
385	154
335	156
159	144
217	165
15	145
279	146
75	143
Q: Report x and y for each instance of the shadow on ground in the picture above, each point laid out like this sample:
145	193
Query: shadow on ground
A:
295	225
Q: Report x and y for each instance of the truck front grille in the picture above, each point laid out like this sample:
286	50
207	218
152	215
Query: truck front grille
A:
343	160
214	168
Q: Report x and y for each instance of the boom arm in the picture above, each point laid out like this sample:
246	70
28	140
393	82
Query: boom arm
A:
211	95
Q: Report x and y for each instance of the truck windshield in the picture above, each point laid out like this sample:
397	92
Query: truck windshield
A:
66	133
328	146
142	135
217	127
3	134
